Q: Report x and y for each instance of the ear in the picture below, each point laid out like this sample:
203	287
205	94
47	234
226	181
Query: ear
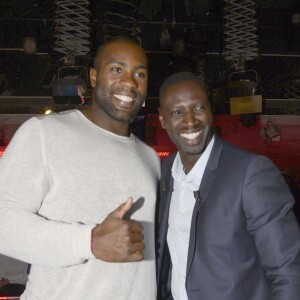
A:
93	77
161	120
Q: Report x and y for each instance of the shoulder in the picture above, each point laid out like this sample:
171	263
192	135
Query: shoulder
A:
61	117
145	147
39	120
167	163
40	125
169	160
241	159
148	153
231	151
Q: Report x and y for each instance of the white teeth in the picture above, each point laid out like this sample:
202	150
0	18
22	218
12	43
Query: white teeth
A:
124	98
190	136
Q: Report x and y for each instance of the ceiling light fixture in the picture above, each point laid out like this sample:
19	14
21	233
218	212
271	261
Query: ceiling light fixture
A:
30	45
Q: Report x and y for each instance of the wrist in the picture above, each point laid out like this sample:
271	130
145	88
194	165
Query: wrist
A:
92	240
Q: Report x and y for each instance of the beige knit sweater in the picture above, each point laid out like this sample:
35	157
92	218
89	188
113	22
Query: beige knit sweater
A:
60	175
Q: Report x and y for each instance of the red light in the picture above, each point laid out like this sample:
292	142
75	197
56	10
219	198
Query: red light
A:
163	154
2	150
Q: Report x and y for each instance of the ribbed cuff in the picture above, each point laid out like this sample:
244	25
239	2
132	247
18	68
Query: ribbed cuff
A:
81	241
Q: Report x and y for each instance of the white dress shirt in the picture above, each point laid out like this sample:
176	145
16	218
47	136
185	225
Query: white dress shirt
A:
180	215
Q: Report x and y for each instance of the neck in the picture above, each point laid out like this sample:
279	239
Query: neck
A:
189	160
105	122
188	163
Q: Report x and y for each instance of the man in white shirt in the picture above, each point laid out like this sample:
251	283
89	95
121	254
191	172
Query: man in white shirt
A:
225	225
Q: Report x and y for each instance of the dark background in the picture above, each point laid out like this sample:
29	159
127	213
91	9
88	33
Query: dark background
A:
200	30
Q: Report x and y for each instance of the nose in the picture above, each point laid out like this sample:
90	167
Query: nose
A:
189	118
129	81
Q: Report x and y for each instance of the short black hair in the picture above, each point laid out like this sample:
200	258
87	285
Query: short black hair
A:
126	38
179	77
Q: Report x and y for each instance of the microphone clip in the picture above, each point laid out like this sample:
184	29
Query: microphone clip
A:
197	196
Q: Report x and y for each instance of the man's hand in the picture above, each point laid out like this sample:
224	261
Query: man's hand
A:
118	240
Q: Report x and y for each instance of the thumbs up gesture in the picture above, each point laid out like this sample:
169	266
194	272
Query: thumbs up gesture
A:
118	240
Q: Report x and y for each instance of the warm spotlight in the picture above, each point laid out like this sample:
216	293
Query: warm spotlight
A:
30	45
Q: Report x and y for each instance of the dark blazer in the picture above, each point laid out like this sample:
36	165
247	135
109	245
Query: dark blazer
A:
244	239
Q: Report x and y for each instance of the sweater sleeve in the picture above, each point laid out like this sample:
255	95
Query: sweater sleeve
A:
24	234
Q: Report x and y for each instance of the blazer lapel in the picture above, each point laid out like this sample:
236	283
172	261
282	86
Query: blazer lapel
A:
205	186
166	189
164	209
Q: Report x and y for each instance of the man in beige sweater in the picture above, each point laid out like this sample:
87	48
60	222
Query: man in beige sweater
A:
78	191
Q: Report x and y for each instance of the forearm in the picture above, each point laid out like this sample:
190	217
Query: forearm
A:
285	287
36	240
268	205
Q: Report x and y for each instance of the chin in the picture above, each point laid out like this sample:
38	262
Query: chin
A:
123	117
193	150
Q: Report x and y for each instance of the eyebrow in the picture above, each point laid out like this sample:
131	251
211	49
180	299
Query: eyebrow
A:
121	63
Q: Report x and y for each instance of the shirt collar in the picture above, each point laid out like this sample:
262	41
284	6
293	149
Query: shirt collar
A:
193	178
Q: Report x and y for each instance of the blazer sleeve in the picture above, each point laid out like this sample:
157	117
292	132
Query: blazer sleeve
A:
268	204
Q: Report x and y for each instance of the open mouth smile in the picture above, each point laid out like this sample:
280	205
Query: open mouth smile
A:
190	136
123	98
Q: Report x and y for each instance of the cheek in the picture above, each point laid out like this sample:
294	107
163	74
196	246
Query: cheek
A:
106	79
171	135
207	119
142	87
170	127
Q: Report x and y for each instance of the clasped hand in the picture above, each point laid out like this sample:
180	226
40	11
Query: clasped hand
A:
117	239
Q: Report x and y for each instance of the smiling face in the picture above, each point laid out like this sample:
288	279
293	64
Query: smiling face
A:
186	115
120	82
